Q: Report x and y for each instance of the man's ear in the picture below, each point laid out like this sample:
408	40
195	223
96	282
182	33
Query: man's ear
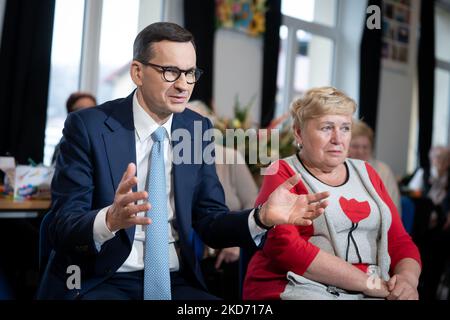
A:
136	73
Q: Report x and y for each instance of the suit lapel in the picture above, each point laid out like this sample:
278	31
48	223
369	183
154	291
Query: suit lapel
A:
120	144
183	180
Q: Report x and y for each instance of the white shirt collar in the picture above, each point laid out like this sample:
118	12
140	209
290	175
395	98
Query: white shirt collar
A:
144	124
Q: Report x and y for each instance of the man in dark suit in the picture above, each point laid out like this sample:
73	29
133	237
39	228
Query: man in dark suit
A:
101	216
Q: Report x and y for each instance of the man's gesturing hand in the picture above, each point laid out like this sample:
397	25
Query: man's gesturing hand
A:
283	206
123	212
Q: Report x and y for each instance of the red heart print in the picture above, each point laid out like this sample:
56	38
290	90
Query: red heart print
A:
355	210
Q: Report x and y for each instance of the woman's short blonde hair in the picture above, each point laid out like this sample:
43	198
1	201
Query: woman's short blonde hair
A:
361	129
318	102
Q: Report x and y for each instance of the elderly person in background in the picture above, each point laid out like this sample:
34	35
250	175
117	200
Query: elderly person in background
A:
358	248
439	180
436	243
361	147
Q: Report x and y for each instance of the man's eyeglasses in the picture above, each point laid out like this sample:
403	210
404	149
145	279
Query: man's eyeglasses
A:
171	74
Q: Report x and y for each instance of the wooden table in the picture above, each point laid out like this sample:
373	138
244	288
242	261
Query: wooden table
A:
23	209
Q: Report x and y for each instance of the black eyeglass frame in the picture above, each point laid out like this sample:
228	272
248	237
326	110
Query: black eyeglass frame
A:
197	71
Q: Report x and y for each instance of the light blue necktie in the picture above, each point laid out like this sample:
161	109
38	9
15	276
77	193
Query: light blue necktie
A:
156	256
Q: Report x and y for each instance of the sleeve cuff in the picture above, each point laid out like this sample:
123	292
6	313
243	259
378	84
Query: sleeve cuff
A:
101	231
256	232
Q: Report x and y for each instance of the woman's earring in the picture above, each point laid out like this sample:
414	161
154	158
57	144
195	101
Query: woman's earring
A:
299	146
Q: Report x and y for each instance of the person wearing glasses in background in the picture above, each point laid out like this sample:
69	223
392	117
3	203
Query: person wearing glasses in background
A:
126	194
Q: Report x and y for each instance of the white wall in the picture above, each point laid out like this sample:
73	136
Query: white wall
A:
396	103
352	14
393	121
237	65
173	11
237	70
149	12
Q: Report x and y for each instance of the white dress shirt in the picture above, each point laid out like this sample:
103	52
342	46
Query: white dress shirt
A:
144	127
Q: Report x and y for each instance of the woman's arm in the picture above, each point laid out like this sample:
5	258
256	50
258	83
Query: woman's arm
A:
286	245
405	279
332	270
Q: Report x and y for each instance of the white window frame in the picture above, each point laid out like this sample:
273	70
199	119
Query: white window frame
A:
444	65
90	46
91	39
293	25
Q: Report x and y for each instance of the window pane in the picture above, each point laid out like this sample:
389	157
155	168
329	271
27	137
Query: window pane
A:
313	66
116	48
281	70
319	11
441	125
442	34
65	68
314	53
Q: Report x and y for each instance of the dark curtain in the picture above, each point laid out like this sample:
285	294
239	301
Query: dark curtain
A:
270	61
199	18
25	67
370	65
426	66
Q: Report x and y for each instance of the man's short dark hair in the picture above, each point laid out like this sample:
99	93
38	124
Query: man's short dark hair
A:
156	32
74	97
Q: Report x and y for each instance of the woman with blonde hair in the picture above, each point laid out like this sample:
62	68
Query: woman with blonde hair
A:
358	249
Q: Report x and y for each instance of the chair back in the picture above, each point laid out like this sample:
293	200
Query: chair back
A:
408	212
45	247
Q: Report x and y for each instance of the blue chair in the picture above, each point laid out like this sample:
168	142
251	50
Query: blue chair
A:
408	213
45	247
6	292
197	244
